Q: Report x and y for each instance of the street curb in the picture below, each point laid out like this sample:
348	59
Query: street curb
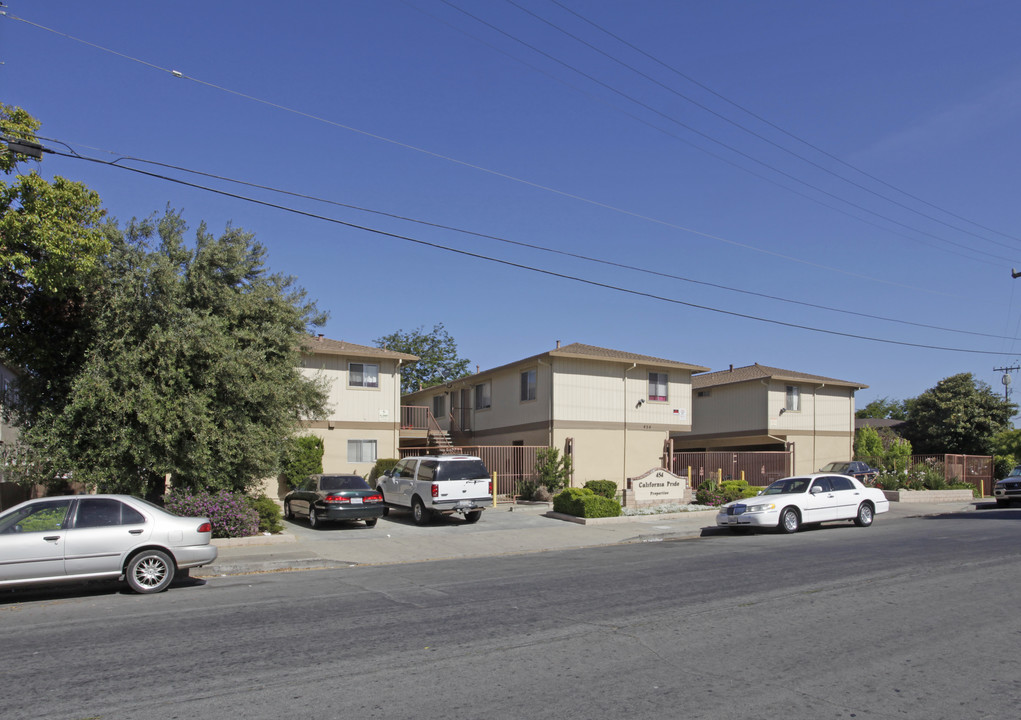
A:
283	537
630	518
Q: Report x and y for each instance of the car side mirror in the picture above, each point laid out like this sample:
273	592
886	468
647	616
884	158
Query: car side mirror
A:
815	489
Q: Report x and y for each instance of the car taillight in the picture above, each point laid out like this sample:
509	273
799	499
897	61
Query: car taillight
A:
490	487
436	490
374	498
206	527
337	499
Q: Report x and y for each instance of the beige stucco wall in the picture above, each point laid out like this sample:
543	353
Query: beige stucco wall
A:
600	452
741	407
592	391
811	452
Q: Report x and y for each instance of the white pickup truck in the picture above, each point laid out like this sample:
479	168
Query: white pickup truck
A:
438	484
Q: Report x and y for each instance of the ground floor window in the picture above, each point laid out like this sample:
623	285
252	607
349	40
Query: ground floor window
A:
361	451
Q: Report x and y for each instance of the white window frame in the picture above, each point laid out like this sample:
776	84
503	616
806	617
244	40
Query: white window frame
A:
357	450
367	379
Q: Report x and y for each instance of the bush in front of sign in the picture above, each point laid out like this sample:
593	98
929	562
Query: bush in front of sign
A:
582	502
606	488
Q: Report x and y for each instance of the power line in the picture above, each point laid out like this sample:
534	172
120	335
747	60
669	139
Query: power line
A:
496	173
711	139
532	246
522	266
780	129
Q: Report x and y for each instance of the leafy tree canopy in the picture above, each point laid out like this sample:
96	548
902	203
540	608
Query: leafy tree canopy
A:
959	415
191	370
53	237
884	408
437	352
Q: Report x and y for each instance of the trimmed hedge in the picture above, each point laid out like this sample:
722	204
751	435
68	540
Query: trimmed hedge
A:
606	488
582	502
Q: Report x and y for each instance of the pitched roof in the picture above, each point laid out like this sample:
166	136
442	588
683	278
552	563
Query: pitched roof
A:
325	346
591	352
764	372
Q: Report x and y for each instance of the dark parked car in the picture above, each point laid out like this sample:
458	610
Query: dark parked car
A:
1009	488
326	498
856	468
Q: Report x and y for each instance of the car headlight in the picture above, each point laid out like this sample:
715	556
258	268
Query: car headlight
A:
761	508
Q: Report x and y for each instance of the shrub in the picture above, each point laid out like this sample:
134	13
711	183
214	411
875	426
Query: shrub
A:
582	502
228	511
889	481
553	470
708	493
737	490
382	466
303	456
269	514
1002	465
528	490
606	488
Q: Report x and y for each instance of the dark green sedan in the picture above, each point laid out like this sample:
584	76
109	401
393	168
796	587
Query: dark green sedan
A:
329	498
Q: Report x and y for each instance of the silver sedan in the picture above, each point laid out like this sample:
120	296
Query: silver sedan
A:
85	537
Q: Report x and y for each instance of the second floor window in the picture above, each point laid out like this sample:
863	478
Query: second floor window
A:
483	396
528	385
363	375
793	398
657	387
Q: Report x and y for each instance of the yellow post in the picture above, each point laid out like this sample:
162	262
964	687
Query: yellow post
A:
742	475
494	488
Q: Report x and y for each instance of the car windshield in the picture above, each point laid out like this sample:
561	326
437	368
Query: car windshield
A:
837	467
787	486
1016	472
343	482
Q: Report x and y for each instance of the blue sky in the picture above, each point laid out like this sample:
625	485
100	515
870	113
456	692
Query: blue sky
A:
763	168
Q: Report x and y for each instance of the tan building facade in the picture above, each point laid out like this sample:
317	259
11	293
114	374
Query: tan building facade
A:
612	411
763	408
363	407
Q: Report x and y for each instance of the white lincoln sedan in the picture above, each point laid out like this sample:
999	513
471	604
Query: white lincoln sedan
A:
789	503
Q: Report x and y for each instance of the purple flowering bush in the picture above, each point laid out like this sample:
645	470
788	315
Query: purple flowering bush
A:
230	513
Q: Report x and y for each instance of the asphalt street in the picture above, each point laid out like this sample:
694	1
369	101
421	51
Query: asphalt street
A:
911	618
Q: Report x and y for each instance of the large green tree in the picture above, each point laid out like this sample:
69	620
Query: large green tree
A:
959	415
53	237
437	352
192	369
884	408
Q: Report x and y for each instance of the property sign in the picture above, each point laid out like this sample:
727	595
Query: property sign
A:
660	486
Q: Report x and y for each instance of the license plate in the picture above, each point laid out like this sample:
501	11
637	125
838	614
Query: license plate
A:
732	520
356	501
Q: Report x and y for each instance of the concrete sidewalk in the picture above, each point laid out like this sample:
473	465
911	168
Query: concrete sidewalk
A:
504	530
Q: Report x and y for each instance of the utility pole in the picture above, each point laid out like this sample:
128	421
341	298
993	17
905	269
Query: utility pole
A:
1006	376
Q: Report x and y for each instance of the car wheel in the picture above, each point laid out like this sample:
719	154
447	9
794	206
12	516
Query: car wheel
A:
473	516
371	522
419	512
789	520
865	515
386	508
313	517
288	515
150	571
